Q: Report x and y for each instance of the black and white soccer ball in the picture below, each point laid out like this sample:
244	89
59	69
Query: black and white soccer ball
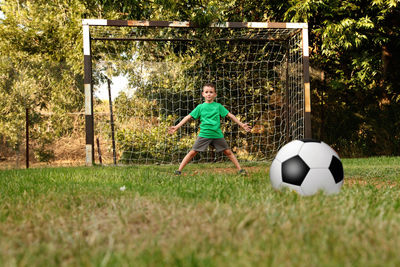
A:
307	166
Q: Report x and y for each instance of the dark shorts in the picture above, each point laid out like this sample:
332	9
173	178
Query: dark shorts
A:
202	143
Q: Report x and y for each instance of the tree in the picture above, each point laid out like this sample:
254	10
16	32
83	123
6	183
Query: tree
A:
355	45
40	69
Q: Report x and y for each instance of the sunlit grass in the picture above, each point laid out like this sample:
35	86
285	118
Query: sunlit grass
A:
208	217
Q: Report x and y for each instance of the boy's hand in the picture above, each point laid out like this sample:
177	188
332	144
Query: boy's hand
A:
246	127
172	129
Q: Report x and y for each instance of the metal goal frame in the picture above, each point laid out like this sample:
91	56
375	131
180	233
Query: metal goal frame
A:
88	83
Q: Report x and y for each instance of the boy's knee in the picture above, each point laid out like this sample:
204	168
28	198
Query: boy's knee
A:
193	153
228	152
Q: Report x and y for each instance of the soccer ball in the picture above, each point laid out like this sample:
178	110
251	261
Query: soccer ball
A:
307	166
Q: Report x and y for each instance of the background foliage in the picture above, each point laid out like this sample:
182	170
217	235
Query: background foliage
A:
354	54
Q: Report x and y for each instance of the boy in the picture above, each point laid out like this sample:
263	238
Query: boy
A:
210	133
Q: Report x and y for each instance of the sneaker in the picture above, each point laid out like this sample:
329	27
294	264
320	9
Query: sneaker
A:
242	172
177	172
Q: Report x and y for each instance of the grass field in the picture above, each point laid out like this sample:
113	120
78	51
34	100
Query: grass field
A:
208	217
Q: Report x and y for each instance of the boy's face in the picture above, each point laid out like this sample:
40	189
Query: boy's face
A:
209	94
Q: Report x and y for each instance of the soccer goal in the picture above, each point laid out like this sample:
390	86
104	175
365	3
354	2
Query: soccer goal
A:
261	73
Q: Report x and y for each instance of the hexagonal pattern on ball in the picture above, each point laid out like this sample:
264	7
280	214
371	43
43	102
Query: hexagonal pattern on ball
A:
310	140
295	188
317	155
320	179
289	150
275	174
307	166
336	169
294	170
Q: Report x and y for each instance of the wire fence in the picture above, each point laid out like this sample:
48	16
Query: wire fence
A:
49	142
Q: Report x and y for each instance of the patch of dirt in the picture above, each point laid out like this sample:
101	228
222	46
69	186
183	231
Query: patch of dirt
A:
225	170
68	151
377	182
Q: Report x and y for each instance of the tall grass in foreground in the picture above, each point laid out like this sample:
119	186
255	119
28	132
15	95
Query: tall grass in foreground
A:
209	217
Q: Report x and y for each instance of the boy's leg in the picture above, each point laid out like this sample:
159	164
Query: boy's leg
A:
200	144
187	159
232	157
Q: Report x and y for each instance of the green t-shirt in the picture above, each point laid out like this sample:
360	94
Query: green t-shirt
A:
210	117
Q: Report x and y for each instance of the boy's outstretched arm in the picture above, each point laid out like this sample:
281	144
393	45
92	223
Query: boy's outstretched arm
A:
245	126
173	129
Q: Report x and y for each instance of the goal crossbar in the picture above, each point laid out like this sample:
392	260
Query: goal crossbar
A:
187	24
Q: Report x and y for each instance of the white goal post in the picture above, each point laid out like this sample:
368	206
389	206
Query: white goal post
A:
272	68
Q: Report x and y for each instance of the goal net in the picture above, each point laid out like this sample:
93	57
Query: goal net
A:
258	73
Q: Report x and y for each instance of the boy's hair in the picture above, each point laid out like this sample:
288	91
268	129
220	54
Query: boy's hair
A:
210	85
